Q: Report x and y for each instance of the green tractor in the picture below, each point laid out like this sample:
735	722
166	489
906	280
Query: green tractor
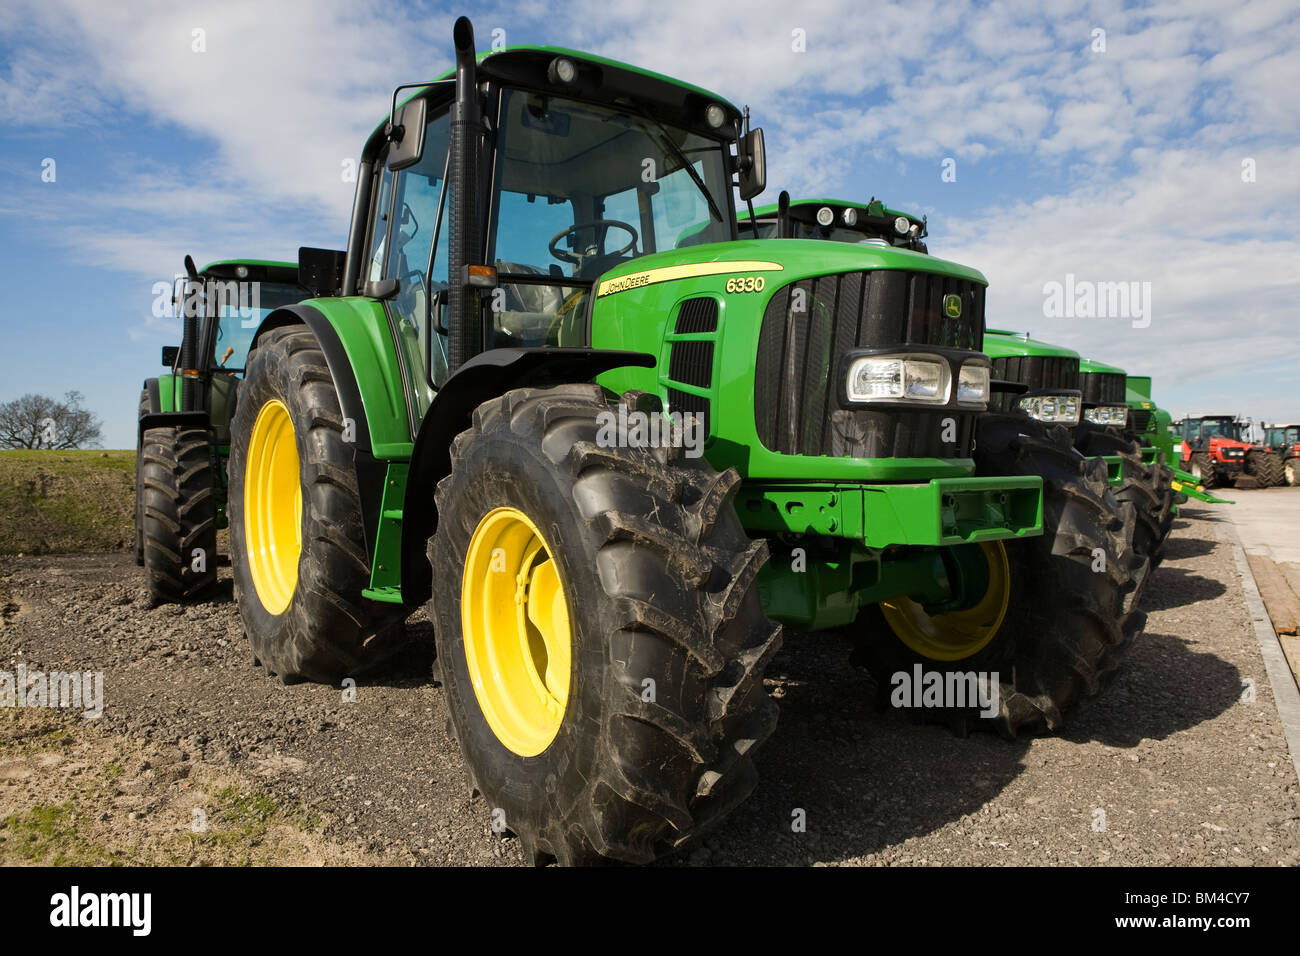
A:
551	375
183	426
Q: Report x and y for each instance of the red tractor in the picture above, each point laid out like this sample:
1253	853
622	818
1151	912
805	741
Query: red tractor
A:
1284	440
1217	450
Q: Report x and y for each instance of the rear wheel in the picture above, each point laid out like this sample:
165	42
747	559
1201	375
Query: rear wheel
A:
296	537
600	636
178	521
1202	469
1291	471
1265	466
139	484
1057	614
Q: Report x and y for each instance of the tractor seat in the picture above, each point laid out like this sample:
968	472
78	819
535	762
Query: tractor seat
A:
529	309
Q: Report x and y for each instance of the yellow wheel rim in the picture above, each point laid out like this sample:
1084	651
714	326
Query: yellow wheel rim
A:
956	634
273	507
515	620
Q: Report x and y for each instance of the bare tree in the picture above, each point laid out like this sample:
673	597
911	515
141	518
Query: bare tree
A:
37	421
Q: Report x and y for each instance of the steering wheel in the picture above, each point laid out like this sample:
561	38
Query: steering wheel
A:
578	259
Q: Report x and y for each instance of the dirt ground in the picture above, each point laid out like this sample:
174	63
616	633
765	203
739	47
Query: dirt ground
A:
1182	762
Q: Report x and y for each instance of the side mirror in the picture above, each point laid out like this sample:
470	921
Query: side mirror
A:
321	270
753	164
169	355
407	135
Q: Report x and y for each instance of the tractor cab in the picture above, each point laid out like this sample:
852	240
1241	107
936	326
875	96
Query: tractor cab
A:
579	165
221	307
1284	439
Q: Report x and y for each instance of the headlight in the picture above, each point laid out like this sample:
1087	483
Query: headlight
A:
825	215
1107	415
973	384
901	225
897	378
850	217
1052	409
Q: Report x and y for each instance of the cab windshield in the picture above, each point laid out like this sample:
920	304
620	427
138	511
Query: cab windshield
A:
238	321
581	189
1219	427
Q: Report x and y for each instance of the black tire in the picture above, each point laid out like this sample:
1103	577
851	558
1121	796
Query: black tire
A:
660	580
1148	488
1291	471
1266	466
1067	627
1202	468
328	631
179	521
139	481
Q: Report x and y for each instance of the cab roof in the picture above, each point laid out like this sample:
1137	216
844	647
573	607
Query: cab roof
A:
519	64
267	270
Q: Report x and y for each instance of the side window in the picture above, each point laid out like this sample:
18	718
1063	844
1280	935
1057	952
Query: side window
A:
417	200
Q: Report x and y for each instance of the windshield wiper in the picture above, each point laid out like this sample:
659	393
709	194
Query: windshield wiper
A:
681	157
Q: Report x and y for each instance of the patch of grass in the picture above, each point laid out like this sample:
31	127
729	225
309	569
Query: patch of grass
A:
239	823
56	501
47	835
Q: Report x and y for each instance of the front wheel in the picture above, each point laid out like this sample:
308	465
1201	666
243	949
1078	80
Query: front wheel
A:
600	636
1202	469
1265	466
1291	471
178	520
1057	613
297	544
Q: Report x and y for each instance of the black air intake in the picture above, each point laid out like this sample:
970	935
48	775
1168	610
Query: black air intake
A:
1035	371
1103	388
809	325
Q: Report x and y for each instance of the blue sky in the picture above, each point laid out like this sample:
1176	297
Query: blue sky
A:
1123	164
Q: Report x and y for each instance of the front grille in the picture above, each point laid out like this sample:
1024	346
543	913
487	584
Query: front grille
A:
1103	388
691	363
1140	419
697	315
809	325
1035	371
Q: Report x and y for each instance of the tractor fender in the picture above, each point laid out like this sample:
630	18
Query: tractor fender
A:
161	414
483	377
370	471
345	379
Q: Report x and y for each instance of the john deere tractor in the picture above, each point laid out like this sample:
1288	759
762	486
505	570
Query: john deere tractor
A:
183	428
1217	449
1284	441
552	392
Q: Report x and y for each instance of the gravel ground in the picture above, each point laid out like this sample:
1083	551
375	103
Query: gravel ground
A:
1174	765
